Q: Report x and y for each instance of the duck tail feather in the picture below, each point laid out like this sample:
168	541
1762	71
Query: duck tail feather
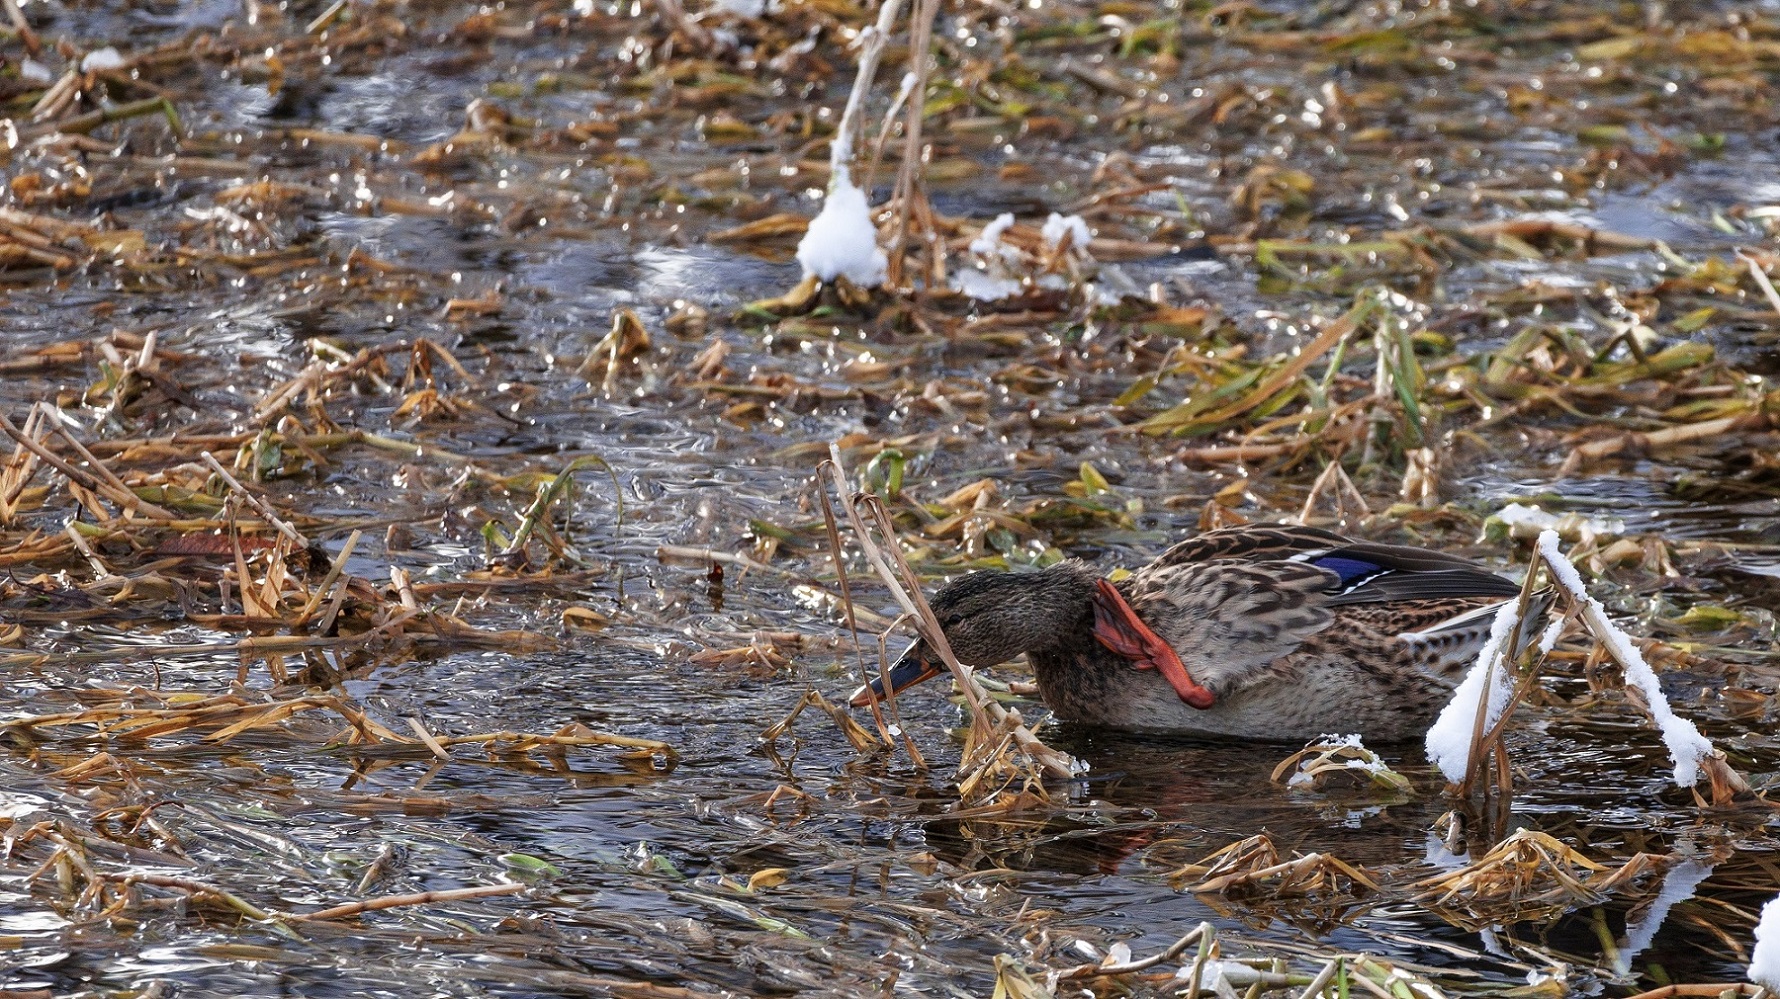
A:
1426	585
1460	638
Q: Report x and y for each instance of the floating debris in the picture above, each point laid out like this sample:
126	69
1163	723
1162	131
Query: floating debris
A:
1334	755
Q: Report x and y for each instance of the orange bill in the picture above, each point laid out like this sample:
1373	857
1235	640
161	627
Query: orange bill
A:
1117	627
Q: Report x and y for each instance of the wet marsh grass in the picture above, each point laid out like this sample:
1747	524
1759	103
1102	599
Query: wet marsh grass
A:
297	407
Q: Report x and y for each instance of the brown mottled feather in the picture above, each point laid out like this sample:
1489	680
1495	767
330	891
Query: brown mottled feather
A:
1289	649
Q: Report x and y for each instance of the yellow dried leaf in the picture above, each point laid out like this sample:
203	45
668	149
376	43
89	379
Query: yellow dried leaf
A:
770	877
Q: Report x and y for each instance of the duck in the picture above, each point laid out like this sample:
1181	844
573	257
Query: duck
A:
1264	632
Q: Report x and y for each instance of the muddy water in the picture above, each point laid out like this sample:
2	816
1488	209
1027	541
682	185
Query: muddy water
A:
649	861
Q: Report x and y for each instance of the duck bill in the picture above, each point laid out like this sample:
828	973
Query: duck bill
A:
911	669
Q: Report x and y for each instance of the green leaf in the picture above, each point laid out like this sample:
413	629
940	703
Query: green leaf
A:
529	864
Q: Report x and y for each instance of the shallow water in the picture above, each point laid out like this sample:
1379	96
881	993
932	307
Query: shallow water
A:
885	891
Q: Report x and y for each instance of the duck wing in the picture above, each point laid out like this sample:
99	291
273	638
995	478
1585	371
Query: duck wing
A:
1368	572
1253	542
1231	604
1373	573
1228	619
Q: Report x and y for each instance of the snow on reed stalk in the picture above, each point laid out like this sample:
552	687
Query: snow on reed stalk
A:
1488	689
842	240
1764	963
1687	747
1449	739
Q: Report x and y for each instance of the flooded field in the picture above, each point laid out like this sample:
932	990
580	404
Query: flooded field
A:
465	684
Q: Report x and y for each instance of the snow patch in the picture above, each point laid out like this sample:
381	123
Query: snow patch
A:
1321	754
1531	517
1764	964
842	241
1548	638
743	8
1449	739
33	71
1687	747
105	58
988	242
1073	226
1230	974
985	287
904	89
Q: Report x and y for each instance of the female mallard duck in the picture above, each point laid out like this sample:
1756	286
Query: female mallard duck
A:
1262	632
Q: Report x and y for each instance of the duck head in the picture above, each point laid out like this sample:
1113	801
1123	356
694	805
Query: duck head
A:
991	617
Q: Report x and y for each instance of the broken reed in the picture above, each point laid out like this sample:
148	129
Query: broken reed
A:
1000	751
1487	743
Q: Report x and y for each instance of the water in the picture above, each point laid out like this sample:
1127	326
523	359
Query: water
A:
883	890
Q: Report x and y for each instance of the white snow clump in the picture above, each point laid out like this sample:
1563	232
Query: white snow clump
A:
1449	738
1764	963
1073	226
842	241
105	58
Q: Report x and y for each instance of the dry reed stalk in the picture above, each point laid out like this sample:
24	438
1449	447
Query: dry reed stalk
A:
852	612
1309	873
283	526
1321	758
123	497
910	196
321	371
236	715
20	467
1249	862
1335	482
16	17
1487	745
197	889
427	738
104	471
1686	433
1325	341
990	721
696	556
871	50
1762	280
1545	230
1703	990
100	571
525	742
259	645
1202	932
1727	785
327	582
416	898
1526	875
675	14
852	731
